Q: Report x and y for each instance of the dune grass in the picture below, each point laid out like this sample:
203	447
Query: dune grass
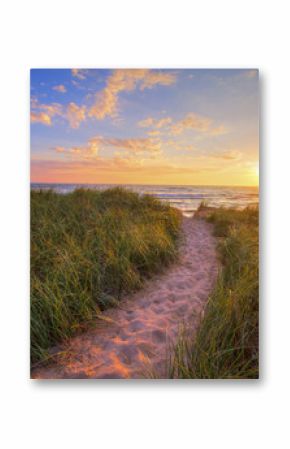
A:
226	343
88	249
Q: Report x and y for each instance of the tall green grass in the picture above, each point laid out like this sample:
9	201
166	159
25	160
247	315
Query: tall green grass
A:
226	343
88	249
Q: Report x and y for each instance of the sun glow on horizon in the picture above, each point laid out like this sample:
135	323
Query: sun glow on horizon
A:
257	170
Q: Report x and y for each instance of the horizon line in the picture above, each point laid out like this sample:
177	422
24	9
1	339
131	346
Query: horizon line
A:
134	184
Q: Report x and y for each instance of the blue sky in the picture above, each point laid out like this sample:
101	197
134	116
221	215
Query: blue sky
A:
145	126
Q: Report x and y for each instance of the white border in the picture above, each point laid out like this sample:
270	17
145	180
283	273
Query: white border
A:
135	414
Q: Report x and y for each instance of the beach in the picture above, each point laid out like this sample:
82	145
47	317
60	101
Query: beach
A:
123	284
134	339
185	198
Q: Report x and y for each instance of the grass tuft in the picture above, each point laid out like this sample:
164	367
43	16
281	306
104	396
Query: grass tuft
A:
226	345
88	249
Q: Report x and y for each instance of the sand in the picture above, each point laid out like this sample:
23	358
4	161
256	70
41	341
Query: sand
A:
134	340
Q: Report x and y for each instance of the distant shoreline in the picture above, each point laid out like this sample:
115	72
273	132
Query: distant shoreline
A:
185	198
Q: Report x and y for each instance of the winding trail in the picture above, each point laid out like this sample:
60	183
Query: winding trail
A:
134	338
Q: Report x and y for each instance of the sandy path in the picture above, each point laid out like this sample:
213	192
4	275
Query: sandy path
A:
148	321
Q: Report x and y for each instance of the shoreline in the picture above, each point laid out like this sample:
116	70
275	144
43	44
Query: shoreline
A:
187	199
132	339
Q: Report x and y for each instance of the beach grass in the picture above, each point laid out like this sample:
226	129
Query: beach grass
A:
226	344
88	249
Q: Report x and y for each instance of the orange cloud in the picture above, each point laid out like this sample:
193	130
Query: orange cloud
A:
75	114
151	122
129	170
60	88
51	109
60	149
88	151
153	133
227	155
143	146
40	117
146	123
103	169
140	145
218	130
191	121
126	80
154	77
43	113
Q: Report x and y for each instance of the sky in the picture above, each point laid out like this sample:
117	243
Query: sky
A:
145	126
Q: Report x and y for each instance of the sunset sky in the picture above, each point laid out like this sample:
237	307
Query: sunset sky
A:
188	127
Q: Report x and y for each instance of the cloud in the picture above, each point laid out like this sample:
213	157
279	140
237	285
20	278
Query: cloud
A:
40	117
106	101
163	122
154	77
60	88
91	150
126	80
227	155
132	146
218	130
116	165
52	109
75	115
43	113
182	146
153	133
191	121
60	149
146	123
88	151
81	74
155	123
139	145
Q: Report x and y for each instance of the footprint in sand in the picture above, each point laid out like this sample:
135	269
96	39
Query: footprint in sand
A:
158	336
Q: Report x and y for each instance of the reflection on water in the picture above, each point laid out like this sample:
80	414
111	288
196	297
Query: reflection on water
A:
185	198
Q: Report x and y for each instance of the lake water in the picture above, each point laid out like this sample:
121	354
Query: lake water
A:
185	198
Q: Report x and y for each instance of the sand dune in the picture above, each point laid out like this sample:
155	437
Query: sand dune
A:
135	338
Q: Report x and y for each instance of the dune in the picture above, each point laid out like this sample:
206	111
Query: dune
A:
132	340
